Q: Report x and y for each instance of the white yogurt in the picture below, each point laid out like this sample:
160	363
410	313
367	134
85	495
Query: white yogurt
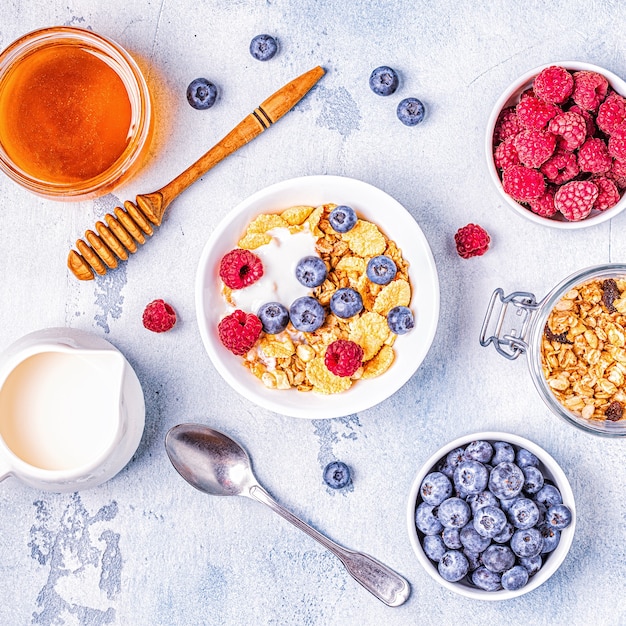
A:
278	283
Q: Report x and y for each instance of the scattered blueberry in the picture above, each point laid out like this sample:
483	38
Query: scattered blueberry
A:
549	495
528	542
479	500
498	558
201	94
400	320
381	269
336	474
311	271
346	302
472	540
551	537
489	521
479	451
531	563
263	47
434	547
307	314
435	488
274	317
524	458
514	578
504	453
384	81
426	520
454	513
451	537
342	219
506	480
558	516
470	477
524	513
533	479
453	566
410	111
486	579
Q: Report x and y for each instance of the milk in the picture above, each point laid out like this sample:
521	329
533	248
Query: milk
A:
57	409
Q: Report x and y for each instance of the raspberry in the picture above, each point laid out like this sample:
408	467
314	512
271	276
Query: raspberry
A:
617	173
617	142
608	195
522	183
591	125
544	205
507	125
570	128
534	147
575	199
239	331
612	113
505	154
471	240
535	113
240	268
554	84
343	357
159	316
593	157
561	167
589	89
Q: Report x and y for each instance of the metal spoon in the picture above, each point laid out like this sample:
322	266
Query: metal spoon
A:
215	464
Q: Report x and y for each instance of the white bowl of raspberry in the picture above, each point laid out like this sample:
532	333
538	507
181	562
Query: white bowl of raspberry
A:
491	516
556	145
253	307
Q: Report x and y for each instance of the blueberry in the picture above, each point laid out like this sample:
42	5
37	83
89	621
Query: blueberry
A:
504	453
384	81
381	269
454	513
479	451
505	535
479	500
201	93
263	47
472	540
533	479
451	538
549	495
524	513
434	547
524	458
486	579
337	475
532	563
453	566
274	317
551	537
346	302
470	477
410	111
342	218
498	558
311	271
514	578
307	314
426	520
528	542
558	516
400	320
473	559
506	504
506	480
452	459
435	488
489	521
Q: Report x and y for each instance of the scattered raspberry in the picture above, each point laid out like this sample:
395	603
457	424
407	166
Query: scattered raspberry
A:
471	240
505	154
617	142
570	128
534	113
239	331
561	167
240	268
575	199
612	113
534	147
554	84
159	316
608	195
589	89
591	125
544	205
507	125
523	183
343	357
593	157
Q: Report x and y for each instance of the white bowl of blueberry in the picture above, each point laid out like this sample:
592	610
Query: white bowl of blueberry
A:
491	516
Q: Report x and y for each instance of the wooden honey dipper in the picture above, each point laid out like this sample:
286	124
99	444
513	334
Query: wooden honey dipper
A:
130	225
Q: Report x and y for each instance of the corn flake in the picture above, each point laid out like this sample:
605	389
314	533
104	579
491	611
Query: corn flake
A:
365	239
274	347
323	380
370	331
264	222
296	215
396	293
251	241
380	363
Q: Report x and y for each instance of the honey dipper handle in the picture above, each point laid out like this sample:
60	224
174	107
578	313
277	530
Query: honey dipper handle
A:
128	227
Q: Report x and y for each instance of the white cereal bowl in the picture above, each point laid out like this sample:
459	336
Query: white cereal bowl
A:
550	469
370	203
510	97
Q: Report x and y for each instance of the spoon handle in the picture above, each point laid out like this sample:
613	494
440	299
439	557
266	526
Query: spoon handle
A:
382	581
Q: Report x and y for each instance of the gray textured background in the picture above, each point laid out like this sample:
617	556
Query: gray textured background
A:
145	548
